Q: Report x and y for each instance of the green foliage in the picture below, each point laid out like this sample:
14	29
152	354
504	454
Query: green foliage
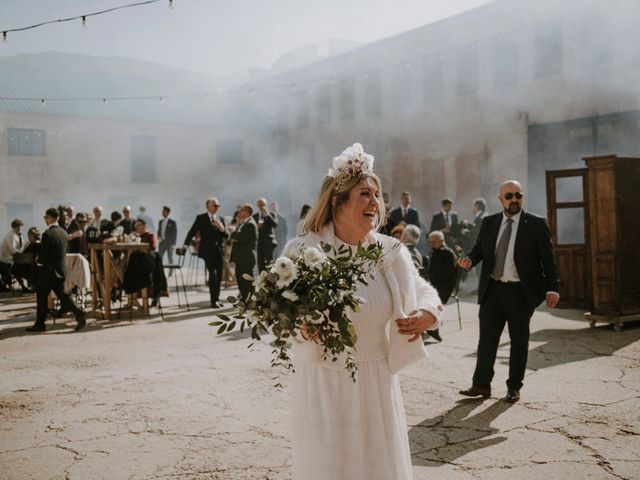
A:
318	295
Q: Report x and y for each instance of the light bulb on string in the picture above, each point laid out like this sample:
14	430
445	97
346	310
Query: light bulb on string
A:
170	4
84	21
43	101
4	37
104	100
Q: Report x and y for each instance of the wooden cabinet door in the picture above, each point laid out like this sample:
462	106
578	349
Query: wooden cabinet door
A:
568	214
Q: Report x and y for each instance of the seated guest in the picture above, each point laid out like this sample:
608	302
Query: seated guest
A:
112	230
97	221
78	235
11	244
128	223
145	235
26	272
442	270
410	237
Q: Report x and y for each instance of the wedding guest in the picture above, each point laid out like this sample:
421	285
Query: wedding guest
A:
281	230
142	231
128	223
167	235
267	223
78	235
513	282
11	244
410	238
26	272
243	252
446	221
357	430
142	213
51	272
303	215
213	231
442	271
405	213
98	221
113	229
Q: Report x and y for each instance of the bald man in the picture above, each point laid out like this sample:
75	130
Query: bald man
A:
519	271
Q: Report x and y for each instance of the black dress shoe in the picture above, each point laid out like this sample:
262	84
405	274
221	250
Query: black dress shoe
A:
476	392
217	304
512	396
36	328
435	334
81	318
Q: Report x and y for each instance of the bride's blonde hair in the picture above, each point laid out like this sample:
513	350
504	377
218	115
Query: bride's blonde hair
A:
324	210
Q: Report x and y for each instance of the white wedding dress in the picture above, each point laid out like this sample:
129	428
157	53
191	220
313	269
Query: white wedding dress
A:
352	431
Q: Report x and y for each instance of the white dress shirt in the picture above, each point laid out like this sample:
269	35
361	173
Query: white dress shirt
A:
10	246
163	228
510	273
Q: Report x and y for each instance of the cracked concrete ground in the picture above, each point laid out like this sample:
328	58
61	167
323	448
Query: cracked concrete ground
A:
171	400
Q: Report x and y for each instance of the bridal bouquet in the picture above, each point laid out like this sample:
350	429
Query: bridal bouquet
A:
311	290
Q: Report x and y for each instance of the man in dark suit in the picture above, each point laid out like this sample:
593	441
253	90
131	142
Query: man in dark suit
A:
78	235
267	223
442	271
243	249
518	272
404	213
167	235
446	221
212	234
51	272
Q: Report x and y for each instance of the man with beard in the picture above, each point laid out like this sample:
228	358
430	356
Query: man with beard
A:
518	272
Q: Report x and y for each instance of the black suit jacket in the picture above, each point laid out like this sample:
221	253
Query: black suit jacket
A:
53	251
171	233
443	272
438	222
128	226
243	251
395	217
267	234
211	238
533	256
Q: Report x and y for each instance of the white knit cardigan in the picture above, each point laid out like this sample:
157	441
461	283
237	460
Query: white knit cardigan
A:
409	292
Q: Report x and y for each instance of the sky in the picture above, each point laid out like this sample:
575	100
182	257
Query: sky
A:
215	37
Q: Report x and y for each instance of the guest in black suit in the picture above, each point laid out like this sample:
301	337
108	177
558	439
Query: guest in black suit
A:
446	221
212	234
51	272
243	251
442	271
403	214
78	235
518	272
267	223
167	235
128	223
281	231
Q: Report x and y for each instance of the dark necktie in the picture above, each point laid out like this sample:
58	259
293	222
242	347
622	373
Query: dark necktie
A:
501	251
19	241
446	219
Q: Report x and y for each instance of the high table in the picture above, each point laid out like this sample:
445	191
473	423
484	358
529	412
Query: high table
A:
111	272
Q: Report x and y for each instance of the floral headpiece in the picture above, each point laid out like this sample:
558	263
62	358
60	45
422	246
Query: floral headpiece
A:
353	161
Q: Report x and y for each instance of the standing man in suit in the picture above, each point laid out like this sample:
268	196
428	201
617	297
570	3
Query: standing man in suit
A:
167	235
51	272
267	223
212	234
446	221
243	249
442	271
403	214
281	231
518	272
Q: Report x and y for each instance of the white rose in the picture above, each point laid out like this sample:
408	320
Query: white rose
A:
314	257
339	162
290	295
357	148
348	154
369	161
286	270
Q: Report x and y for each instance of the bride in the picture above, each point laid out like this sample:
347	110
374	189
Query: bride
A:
357	431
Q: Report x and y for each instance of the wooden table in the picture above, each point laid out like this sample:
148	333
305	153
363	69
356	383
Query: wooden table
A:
112	271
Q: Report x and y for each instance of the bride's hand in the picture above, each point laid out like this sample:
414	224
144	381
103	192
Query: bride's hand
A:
416	323
304	331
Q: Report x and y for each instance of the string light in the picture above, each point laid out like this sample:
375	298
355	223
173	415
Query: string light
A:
82	17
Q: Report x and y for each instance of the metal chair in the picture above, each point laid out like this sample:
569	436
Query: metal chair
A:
177	267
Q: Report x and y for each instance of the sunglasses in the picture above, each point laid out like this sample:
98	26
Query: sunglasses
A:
510	195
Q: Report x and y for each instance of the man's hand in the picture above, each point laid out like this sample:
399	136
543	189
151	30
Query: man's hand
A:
218	225
465	263
552	299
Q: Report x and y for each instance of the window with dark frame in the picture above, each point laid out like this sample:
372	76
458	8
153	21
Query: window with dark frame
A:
433	79
26	142
548	50
229	152
143	159
347	89
467	79
323	103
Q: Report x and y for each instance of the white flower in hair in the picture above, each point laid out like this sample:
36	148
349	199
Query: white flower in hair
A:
352	161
